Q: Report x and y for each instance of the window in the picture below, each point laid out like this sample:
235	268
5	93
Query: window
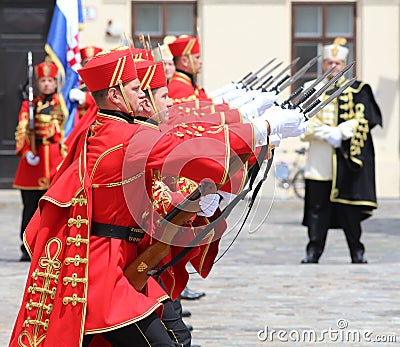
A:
317	24
159	19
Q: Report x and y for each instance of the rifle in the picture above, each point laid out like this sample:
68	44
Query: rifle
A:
263	78
306	93
137	271
288	80
270	81
250	77
31	127
317	105
140	269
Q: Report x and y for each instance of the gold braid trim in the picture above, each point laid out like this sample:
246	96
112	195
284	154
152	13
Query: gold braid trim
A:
78	240
117	184
20	132
51	265
352	111
186	185
161	197
358	140
184	99
74	280
74	300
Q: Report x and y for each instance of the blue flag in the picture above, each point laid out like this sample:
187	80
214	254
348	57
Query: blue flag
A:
63	48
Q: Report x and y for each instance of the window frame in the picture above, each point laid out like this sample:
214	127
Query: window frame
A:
155	39
323	39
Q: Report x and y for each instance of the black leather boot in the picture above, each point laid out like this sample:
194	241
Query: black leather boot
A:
311	258
189	294
358	258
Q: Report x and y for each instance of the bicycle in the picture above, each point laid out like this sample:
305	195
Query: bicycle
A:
292	174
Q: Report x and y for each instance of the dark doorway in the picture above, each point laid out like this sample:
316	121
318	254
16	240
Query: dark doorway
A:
23	27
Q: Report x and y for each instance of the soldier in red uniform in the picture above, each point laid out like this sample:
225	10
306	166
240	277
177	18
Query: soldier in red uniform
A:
153	82
38	160
183	85
183	88
98	217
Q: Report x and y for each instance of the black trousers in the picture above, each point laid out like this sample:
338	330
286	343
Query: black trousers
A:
30	201
147	332
172	319
151	331
320	214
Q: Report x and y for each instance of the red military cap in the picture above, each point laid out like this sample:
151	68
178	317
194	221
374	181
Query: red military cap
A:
107	68
151	74
184	45
141	53
89	52
46	69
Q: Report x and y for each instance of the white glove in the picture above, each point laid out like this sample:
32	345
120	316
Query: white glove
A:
285	123
265	101
348	128
244	99
259	105
76	95
208	204
319	131
227	197
274	140
233	94
217	100
225	89
334	137
32	159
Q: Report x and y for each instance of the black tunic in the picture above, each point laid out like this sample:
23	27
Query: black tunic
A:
354	178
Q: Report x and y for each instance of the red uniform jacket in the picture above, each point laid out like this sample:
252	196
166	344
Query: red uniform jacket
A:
181	89
48	134
76	284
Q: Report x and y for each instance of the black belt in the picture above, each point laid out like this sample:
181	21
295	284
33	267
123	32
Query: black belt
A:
130	234
41	140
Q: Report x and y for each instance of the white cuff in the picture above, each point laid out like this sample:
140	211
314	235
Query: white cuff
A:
260	128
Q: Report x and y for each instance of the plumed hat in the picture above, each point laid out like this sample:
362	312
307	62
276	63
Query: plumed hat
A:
336	50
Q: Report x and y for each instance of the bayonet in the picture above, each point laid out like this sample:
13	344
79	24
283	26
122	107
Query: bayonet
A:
311	89
266	65
31	116
307	93
266	84
245	77
253	76
317	105
267	74
333	80
278	88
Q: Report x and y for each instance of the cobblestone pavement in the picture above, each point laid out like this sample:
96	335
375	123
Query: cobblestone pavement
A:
259	293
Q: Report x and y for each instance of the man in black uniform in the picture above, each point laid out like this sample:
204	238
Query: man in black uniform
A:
340	169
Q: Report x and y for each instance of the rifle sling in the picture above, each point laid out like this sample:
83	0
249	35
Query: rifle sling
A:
224	214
